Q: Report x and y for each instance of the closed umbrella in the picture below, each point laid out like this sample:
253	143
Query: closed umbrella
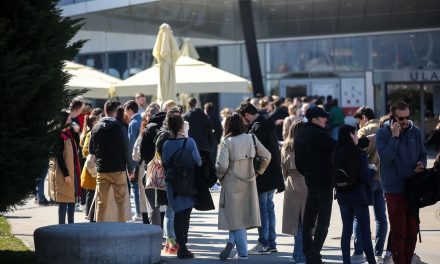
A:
166	53
188	50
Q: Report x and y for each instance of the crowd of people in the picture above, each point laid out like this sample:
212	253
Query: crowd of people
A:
170	158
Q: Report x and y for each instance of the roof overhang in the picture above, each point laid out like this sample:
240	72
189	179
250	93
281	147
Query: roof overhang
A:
273	19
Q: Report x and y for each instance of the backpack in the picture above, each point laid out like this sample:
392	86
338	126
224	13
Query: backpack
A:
182	166
344	181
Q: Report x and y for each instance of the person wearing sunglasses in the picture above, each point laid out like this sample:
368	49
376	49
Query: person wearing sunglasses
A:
402	154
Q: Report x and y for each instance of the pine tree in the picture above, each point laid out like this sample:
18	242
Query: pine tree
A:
34	42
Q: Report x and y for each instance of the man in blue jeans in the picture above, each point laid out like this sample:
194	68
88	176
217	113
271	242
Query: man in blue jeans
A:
272	179
368	126
131	110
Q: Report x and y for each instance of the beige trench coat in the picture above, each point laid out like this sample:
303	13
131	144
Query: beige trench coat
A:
136	155
59	190
239	207
295	194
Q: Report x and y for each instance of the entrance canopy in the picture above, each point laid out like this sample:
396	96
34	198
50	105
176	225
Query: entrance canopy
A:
192	76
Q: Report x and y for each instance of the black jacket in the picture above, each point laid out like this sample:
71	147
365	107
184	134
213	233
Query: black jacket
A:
272	178
313	156
109	142
148	143
279	113
199	128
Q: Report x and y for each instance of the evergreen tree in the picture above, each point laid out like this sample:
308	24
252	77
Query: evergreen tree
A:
34	42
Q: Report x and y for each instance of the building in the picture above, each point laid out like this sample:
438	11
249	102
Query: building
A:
360	51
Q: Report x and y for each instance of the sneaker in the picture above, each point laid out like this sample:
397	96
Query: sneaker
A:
237	257
185	255
166	248
137	217
379	259
272	250
388	259
417	260
173	249
77	208
226	251
43	202
259	249
357	259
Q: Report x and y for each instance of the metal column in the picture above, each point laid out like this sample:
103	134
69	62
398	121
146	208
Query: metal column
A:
250	41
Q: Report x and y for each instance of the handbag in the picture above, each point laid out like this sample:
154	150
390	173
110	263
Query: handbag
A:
155	174
91	165
257	158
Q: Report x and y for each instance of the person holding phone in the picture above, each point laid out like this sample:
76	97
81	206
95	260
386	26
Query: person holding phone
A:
402	154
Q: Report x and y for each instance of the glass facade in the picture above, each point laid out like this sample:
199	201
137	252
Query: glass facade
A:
408	51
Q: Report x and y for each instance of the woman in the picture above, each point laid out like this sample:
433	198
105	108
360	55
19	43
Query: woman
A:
288	121
354	199
64	170
88	182
239	209
181	204
295	194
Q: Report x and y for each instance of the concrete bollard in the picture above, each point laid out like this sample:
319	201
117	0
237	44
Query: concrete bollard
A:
98	243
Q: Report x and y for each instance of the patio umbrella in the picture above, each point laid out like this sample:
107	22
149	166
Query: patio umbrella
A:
188	49
192	76
166	53
99	84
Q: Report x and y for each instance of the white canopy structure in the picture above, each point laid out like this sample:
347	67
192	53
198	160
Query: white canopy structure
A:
99	84
192	76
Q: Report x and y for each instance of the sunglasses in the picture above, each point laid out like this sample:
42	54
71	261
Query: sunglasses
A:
401	118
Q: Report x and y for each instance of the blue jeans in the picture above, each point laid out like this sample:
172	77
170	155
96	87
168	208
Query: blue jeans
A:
239	239
266	233
348	211
40	184
169	223
135	189
381	222
298	254
64	208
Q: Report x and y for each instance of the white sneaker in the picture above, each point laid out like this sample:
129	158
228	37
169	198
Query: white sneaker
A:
259	249
137	217
417	260
78	208
357	259
379	259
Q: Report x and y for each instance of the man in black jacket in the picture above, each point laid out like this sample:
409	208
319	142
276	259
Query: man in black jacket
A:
109	143
272	179
313	151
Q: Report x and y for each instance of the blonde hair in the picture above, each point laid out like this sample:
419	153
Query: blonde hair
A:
294	131
167	105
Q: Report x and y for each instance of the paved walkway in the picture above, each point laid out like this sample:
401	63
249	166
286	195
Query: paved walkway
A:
206	241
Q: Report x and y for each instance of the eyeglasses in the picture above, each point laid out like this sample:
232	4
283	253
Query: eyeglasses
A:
401	118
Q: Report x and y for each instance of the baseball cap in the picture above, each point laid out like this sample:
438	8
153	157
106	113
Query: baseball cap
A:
316	112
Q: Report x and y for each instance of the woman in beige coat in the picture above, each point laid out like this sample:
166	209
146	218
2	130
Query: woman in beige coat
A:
63	173
239	208
295	194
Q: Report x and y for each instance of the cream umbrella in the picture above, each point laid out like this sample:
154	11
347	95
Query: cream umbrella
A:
188	49
99	84
192	76
166	53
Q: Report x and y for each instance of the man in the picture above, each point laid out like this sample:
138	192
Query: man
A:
278	116
216	129
313	151
131	111
109	143
368	127
402	154
272	179
141	101
199	126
